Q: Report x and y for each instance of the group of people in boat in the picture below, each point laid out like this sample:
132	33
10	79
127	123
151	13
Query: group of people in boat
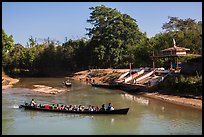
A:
73	107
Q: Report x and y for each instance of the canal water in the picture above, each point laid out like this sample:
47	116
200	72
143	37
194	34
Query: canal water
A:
146	116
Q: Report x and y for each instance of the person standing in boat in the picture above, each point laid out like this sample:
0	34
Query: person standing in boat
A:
32	103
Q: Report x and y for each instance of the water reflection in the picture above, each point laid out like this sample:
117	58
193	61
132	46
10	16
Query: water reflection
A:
139	99
169	109
173	119
115	124
7	122
31	114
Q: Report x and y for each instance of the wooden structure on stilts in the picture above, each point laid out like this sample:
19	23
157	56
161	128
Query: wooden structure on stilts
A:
172	53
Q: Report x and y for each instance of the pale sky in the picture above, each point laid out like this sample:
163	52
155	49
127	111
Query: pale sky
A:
58	20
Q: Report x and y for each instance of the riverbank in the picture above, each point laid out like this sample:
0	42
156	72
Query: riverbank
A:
100	76
8	82
189	102
106	76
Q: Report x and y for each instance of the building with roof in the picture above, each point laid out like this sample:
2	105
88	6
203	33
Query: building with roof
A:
172	53
175	51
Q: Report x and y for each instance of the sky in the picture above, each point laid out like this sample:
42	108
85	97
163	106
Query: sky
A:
58	20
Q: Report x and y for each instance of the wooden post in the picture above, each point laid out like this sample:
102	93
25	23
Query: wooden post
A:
177	63
130	69
153	63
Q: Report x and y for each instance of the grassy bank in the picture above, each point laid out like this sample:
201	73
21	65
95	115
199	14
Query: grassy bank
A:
183	85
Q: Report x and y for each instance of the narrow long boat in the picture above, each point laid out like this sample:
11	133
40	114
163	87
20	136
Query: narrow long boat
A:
115	111
105	86
67	83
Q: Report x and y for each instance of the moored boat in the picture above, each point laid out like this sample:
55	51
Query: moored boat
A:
105	86
67	83
115	111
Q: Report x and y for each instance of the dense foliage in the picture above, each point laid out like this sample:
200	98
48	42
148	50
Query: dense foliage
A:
183	85
114	41
112	34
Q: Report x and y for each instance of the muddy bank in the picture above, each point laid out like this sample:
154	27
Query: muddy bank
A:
8	82
106	76
189	102
100	76
48	90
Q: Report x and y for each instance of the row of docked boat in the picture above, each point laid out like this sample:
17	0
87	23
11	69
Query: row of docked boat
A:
135	75
138	79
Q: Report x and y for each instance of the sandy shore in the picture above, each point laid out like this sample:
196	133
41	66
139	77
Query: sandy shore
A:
103	74
48	90
189	102
8	82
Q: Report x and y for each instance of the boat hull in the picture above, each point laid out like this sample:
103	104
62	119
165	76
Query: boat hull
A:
116	111
68	85
105	86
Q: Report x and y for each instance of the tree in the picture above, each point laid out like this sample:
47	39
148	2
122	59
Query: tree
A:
176	24
7	47
111	34
187	32
7	42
